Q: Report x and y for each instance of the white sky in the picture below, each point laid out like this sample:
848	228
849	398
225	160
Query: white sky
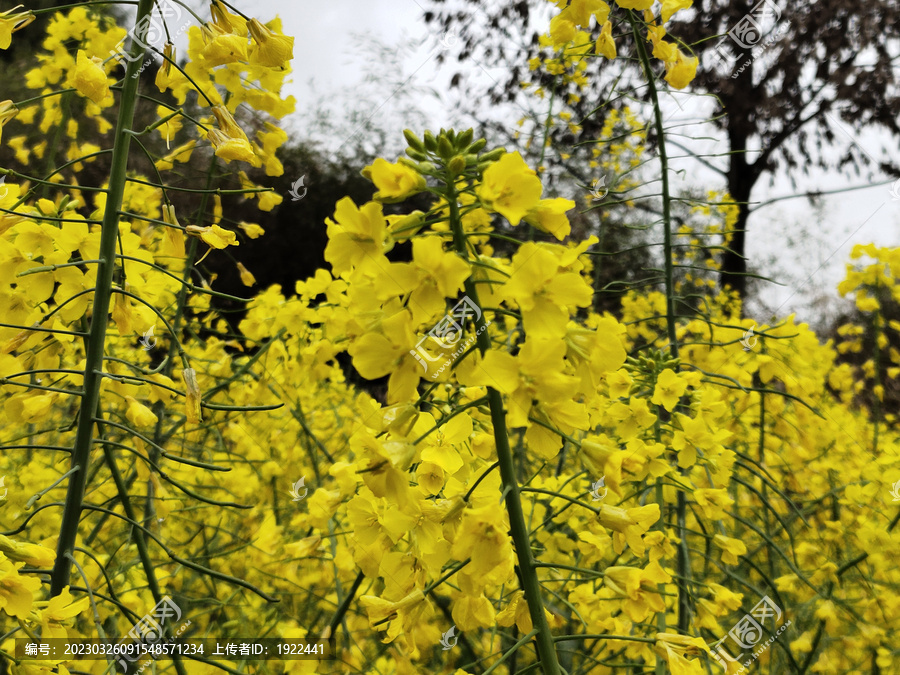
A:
805	249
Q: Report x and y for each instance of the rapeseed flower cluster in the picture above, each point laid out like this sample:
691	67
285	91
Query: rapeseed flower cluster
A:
460	500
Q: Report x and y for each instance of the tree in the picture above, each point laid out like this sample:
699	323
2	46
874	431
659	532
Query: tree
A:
788	101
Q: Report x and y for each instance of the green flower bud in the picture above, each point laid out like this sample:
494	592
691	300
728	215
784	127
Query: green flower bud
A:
430	142
465	138
493	155
445	148
477	146
457	165
416	155
414	142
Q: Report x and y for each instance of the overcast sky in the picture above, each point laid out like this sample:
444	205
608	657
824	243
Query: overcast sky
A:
331	69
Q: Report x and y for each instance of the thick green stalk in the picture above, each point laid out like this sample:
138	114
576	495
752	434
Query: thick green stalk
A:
93	371
681	503
530	585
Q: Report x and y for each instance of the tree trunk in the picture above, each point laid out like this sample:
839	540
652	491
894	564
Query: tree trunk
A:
741	178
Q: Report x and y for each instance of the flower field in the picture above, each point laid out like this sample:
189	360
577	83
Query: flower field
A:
434	454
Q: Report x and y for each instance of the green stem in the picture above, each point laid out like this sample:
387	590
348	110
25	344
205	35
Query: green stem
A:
681	503
517	524
343	607
660	668
68	532
761	451
666	200
47	489
879	329
532	230
511	651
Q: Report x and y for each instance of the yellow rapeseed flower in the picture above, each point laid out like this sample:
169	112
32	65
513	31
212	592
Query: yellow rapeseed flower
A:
32	554
356	235
639	588
215	236
510	188
163	75
222	47
669	7
192	398
10	23
681	71
669	389
16	591
270	49
8	110
550	216
731	548
247	277
139	414
395	182
635	4
231	148
252	230
605	44
59	612
90	80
